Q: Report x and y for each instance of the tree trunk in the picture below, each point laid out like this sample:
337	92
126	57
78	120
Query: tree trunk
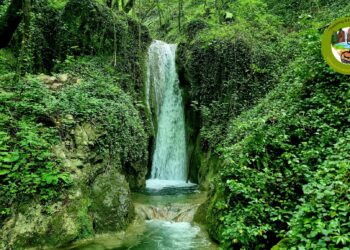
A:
10	21
180	14
24	60
159	14
109	3
129	5
116	5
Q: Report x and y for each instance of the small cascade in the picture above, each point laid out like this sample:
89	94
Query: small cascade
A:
178	212
169	166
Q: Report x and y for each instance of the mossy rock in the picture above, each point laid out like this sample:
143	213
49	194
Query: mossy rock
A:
111	206
37	225
201	213
104	207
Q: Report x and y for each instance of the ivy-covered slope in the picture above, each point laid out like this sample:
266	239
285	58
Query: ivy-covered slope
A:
276	154
279	162
226	68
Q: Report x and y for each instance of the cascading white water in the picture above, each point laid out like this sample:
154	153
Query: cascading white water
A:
163	93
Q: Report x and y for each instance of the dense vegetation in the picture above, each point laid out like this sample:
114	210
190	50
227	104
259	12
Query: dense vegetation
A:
283	171
286	150
88	112
261	101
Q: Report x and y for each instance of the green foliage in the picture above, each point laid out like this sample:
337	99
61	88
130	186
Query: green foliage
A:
275	160
229	67
89	28
45	25
322	219
4	6
57	4
7	62
33	118
27	166
39	50
294	11
100	101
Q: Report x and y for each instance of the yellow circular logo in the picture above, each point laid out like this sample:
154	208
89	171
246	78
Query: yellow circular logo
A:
336	45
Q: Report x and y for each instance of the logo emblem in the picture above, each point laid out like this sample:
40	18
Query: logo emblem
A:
336	45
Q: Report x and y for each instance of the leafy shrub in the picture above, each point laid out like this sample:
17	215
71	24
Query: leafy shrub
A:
27	166
195	26
274	150
322	219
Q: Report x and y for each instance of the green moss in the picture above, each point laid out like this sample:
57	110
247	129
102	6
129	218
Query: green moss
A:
201	214
111	208
227	68
83	218
71	224
57	4
7	62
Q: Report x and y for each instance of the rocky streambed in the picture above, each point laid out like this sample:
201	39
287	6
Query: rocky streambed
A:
163	221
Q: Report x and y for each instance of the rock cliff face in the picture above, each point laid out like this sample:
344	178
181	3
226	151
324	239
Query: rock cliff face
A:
99	201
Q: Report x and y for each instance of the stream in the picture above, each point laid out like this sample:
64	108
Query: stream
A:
165	209
163	222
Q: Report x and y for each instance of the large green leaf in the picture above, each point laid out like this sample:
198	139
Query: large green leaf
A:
12	157
4	171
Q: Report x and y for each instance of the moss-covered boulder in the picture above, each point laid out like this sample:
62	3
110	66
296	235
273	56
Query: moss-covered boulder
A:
111	206
99	200
60	223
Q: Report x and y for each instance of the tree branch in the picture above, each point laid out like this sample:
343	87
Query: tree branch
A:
9	22
129	5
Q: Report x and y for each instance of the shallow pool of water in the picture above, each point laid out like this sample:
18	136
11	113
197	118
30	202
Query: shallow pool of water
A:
155	235
171	235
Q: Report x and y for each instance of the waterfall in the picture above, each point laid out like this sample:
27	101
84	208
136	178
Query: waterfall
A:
164	98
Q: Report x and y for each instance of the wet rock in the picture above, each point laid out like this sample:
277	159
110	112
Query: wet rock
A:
135	174
172	212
